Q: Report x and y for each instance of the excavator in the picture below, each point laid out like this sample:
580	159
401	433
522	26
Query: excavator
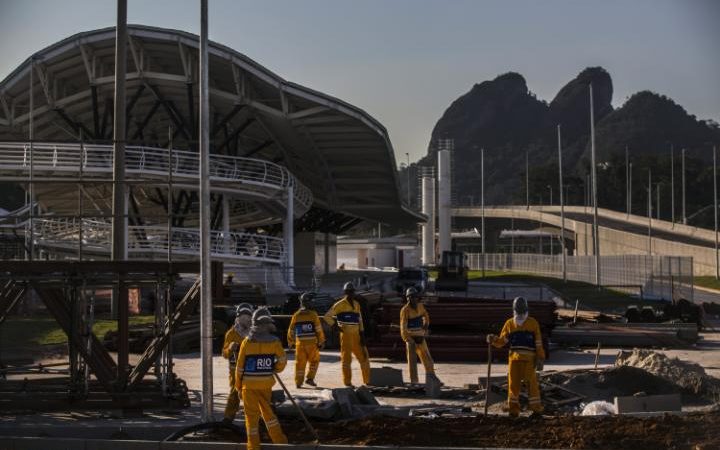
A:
452	273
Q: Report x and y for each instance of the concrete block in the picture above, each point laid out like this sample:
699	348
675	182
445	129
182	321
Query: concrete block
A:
386	376
432	386
648	403
45	443
105	444
318	408
365	396
346	398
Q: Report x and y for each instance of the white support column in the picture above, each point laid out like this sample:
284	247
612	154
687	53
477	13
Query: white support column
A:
226	222
288	230
444	186
428	229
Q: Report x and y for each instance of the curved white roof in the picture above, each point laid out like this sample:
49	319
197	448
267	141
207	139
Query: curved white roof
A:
336	149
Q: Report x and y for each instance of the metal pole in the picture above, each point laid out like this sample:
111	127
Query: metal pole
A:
649	212
657	200
630	191
527	180
31	185
562	206
715	207
627	181
408	177
170	195
119	217
596	237
80	198
206	288
482	207
684	217
672	184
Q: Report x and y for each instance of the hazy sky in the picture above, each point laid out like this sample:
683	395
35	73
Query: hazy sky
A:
405	61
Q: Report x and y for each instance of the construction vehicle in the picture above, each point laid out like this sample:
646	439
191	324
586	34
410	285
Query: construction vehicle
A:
452	273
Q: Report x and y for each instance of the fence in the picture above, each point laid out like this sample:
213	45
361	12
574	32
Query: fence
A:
666	277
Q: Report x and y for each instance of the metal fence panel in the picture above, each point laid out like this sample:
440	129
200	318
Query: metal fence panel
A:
666	277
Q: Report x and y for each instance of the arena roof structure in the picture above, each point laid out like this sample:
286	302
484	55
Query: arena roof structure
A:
338	151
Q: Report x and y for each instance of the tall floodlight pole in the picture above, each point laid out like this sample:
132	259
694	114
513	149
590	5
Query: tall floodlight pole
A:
649	211
627	181
206	291
672	184
482	208
119	213
562	206
31	184
684	217
596	237
527	179
629	189
715	207
657	200
407	155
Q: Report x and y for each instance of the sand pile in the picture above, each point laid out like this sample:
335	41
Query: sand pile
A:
690	377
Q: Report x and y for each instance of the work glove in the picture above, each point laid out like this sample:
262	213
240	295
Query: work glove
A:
362	340
490	338
539	364
321	345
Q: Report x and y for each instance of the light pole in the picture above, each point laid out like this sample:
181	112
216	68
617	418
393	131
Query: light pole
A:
562	206
407	155
672	184
596	237
649	212
715	207
630	189
657	200
550	189
684	217
527	180
627	181
482	208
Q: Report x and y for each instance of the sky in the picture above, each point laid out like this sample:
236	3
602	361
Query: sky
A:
405	61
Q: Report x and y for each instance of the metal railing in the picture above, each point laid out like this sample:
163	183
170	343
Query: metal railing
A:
667	277
148	239
70	159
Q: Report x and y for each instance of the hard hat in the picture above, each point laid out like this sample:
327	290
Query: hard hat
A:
349	287
243	308
520	305
411	292
306	298
261	315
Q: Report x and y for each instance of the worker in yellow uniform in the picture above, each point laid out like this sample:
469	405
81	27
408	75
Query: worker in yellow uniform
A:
233	339
347	314
526	356
414	325
305	331
261	357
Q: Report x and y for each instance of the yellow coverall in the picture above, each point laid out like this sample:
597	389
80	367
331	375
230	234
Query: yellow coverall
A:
233	402
256	365
413	323
306	330
349	319
525	349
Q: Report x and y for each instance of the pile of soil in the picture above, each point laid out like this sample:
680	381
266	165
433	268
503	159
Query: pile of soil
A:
690	377
692	431
613	382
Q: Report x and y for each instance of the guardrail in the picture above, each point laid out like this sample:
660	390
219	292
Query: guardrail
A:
70	159
144	239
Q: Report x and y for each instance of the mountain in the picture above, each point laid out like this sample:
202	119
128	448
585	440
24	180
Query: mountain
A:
506	119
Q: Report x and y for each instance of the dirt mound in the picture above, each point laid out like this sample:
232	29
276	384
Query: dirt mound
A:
613	382
690	377
692	431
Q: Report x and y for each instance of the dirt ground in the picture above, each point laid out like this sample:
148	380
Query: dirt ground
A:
671	432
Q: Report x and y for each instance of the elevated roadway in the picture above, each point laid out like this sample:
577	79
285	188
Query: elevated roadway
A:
619	233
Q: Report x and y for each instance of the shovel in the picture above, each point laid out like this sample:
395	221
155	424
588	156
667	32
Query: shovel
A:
302	414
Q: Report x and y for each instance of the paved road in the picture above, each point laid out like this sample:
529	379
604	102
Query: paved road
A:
638	229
